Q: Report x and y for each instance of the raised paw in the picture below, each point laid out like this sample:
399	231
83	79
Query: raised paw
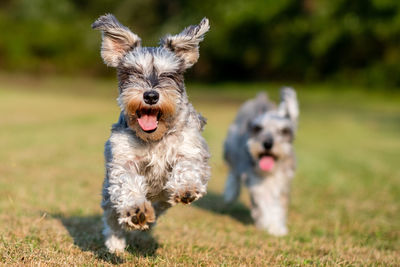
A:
185	196
138	217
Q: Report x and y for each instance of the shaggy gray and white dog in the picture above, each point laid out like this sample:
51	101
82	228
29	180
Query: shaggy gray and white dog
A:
259	152
155	156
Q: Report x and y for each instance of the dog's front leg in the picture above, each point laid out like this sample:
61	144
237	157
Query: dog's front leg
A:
188	181
269	207
127	191
125	205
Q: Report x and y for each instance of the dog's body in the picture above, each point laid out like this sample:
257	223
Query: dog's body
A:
259	152
155	156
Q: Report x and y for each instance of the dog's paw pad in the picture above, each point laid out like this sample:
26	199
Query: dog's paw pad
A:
139	217
186	196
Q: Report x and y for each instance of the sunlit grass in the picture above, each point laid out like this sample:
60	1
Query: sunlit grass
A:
345	197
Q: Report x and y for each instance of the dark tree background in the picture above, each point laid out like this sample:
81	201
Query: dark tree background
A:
353	41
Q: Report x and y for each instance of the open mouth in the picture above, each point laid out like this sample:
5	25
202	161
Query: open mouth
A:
266	161
148	119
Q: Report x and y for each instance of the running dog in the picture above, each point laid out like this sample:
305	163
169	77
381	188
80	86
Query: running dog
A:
259	152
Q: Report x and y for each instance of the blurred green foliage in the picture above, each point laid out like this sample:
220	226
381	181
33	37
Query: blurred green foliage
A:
355	41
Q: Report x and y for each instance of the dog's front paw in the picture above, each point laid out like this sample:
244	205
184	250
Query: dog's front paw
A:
138	217
185	196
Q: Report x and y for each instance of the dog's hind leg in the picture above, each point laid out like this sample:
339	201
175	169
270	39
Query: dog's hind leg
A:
232	188
113	234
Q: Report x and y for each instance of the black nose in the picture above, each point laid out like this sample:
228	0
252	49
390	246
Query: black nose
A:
151	97
268	143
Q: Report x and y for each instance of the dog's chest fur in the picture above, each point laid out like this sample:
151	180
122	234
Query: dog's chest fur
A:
156	165
153	161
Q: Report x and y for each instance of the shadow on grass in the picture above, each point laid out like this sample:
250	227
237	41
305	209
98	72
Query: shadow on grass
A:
215	202
87	234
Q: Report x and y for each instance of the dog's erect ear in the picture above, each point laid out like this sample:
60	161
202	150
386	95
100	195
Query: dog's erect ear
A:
289	106
117	39
186	44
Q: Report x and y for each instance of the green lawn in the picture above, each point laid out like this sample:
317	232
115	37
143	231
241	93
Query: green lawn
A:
345	197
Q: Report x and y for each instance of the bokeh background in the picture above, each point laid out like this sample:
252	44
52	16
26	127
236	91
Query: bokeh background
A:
290	40
57	102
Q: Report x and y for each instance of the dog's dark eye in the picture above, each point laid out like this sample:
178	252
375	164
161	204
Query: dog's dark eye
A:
286	131
168	75
255	129
171	76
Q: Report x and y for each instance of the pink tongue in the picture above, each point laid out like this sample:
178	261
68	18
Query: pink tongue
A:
266	163
148	122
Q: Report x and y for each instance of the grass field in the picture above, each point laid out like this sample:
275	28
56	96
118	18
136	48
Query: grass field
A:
345	197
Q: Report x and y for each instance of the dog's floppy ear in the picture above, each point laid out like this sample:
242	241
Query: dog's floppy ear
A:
186	44
289	106
117	39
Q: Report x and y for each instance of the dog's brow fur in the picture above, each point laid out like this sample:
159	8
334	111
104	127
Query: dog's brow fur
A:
144	60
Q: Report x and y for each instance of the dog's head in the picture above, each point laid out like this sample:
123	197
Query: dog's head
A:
151	83
271	134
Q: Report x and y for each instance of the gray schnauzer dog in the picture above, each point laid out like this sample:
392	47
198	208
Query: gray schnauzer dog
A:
155	156
259	152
